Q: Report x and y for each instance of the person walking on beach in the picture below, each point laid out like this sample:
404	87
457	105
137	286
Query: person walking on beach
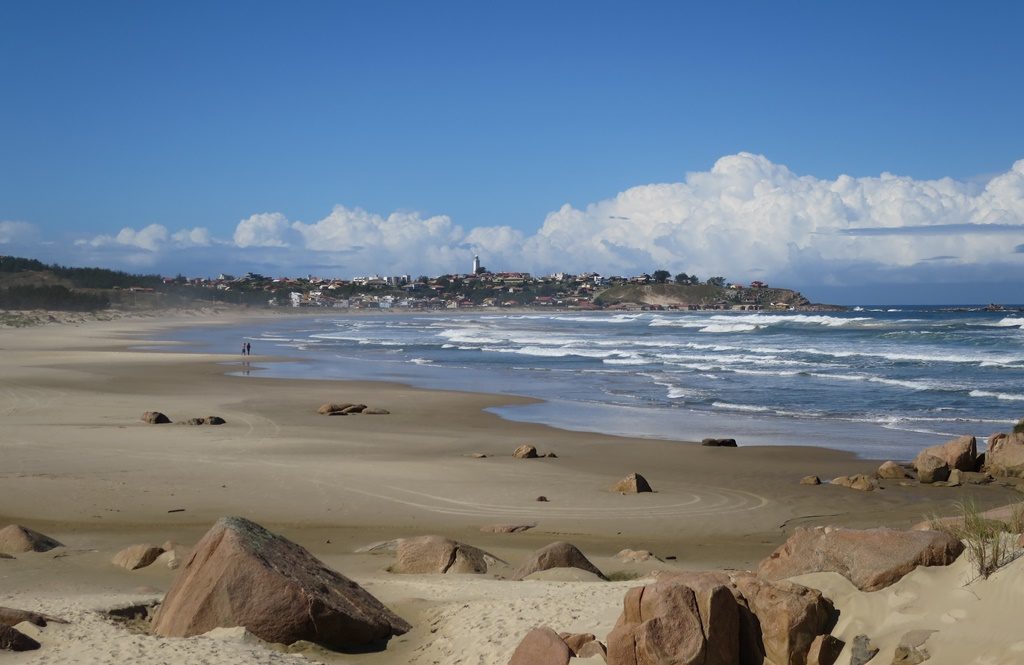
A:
244	344
248	349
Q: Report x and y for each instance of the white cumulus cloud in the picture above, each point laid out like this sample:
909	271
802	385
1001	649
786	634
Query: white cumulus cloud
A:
268	229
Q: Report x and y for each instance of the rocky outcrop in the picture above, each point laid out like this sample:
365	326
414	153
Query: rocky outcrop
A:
824	650
15	539
1005	455
240	574
14	640
541	646
207	420
857	481
155	418
719	443
137	556
634	483
330	408
871	559
556	555
719	618
810	480
436	554
525	451
892	471
931	469
960	453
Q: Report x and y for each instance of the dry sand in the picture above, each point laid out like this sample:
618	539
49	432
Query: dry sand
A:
77	463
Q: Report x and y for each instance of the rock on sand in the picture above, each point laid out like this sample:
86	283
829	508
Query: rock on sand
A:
15	539
240	574
871	559
556	555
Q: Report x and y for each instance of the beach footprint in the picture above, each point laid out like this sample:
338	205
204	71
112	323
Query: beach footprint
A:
953	616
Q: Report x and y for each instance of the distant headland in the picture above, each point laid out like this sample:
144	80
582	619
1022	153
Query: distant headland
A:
30	284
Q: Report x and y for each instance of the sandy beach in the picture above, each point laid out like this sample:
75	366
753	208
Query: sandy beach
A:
76	463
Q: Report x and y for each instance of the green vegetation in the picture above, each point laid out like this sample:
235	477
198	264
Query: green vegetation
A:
54	297
1019	427
702	295
990	543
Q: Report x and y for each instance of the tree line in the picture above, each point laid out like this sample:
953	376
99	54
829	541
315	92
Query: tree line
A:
662	276
52	297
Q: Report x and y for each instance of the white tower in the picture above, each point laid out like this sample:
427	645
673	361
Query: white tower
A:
476	265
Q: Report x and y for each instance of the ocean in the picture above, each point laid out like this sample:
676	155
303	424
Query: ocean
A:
879	382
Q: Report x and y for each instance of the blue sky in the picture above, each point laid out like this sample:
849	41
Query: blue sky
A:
356	137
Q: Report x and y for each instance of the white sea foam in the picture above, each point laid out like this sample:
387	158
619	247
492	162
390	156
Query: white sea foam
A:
741	407
1000	396
728	328
421	361
1008	322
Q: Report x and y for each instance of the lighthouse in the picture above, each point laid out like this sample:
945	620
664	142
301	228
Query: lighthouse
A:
476	265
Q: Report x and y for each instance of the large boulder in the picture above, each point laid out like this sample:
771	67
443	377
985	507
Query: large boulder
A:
892	471
960	453
155	418
240	574
634	483
436	554
15	539
1005	455
541	646
525	451
719	618
871	559
137	556
931	469
556	555
14	640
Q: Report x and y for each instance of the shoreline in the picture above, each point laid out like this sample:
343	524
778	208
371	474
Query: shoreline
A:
81	467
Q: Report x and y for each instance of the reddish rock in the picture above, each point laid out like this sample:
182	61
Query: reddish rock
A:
137	556
824	650
931	469
591	649
525	452
541	646
871	559
1005	455
718	618
240	574
892	471
960	453
13	640
556	555
155	418
857	481
436	554
15	539
575	641
634	483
